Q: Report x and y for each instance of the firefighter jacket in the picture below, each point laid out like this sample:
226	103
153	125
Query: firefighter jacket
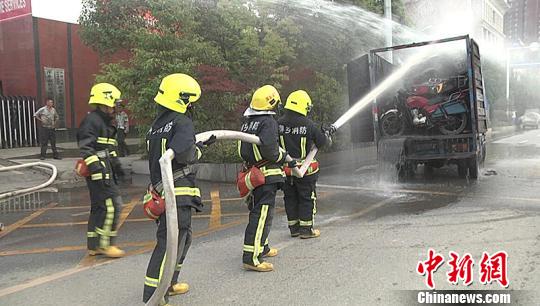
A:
297	134
266	128
97	141
173	130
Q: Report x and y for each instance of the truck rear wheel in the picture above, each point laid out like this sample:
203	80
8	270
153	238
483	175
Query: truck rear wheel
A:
428	170
462	169
474	168
406	171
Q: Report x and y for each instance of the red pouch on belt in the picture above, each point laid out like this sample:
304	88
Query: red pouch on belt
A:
81	168
249	179
313	167
153	204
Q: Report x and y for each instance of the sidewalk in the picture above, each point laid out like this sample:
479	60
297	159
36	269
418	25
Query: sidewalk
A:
66	149
69	151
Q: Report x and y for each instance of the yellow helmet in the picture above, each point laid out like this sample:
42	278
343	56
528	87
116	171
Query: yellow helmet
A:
300	102
105	94
265	98
177	91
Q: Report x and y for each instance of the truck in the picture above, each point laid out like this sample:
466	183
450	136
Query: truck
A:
435	115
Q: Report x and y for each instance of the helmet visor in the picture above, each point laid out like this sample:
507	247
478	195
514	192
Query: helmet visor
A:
309	107
184	96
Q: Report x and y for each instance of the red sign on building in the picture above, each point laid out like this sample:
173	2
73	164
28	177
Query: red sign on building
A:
10	9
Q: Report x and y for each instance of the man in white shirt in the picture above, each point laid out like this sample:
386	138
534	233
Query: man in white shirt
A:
122	128
48	117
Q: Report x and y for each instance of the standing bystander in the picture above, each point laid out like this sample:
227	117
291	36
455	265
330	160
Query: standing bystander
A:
48	117
122	128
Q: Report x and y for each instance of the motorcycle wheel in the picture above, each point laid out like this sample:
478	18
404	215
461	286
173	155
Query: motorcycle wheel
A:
392	124
455	124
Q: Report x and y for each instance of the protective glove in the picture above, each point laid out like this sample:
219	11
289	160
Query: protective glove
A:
206	143
291	164
329	130
119	173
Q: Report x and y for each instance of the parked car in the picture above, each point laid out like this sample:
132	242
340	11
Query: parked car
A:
530	120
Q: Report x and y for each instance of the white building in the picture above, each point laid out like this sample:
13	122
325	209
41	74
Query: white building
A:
482	19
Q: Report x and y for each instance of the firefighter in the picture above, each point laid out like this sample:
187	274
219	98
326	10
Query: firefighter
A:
297	135
259	121
97	141
173	129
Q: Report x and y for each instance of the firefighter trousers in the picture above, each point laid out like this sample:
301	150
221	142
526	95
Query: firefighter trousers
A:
300	199
155	267
102	222
260	220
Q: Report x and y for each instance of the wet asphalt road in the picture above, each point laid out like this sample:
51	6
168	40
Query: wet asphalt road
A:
373	235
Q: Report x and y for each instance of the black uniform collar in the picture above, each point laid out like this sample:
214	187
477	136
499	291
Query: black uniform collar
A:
292	114
106	117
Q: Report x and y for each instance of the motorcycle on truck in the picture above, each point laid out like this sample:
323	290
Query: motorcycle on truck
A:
437	111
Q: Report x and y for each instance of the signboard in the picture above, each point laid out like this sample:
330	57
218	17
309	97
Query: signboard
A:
55	88
10	9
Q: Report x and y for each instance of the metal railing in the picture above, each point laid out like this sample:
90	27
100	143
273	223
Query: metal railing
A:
17	124
26	202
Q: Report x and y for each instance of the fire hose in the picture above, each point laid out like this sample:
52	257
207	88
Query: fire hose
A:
165	163
27	190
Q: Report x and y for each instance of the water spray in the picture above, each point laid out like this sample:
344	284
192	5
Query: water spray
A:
366	100
348	115
387	83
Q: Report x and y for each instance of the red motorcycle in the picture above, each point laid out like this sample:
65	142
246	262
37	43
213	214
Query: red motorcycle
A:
437	104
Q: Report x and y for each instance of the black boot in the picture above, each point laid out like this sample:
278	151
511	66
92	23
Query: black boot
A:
306	233
295	230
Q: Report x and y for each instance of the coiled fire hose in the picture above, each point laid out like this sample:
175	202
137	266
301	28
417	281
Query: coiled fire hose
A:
27	190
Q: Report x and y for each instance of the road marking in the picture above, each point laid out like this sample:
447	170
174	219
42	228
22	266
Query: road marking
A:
429	192
208	231
133	244
369	209
146	246
80	214
61	224
88	260
215	214
357	214
40	225
42	280
71	207
43	250
366	167
10	228
126	211
88	206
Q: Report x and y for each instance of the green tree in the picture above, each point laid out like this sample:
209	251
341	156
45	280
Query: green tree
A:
231	47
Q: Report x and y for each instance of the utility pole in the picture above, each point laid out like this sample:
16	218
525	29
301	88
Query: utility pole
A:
388	26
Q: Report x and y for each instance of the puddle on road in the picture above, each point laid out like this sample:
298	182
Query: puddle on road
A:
27	202
77	196
389	153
